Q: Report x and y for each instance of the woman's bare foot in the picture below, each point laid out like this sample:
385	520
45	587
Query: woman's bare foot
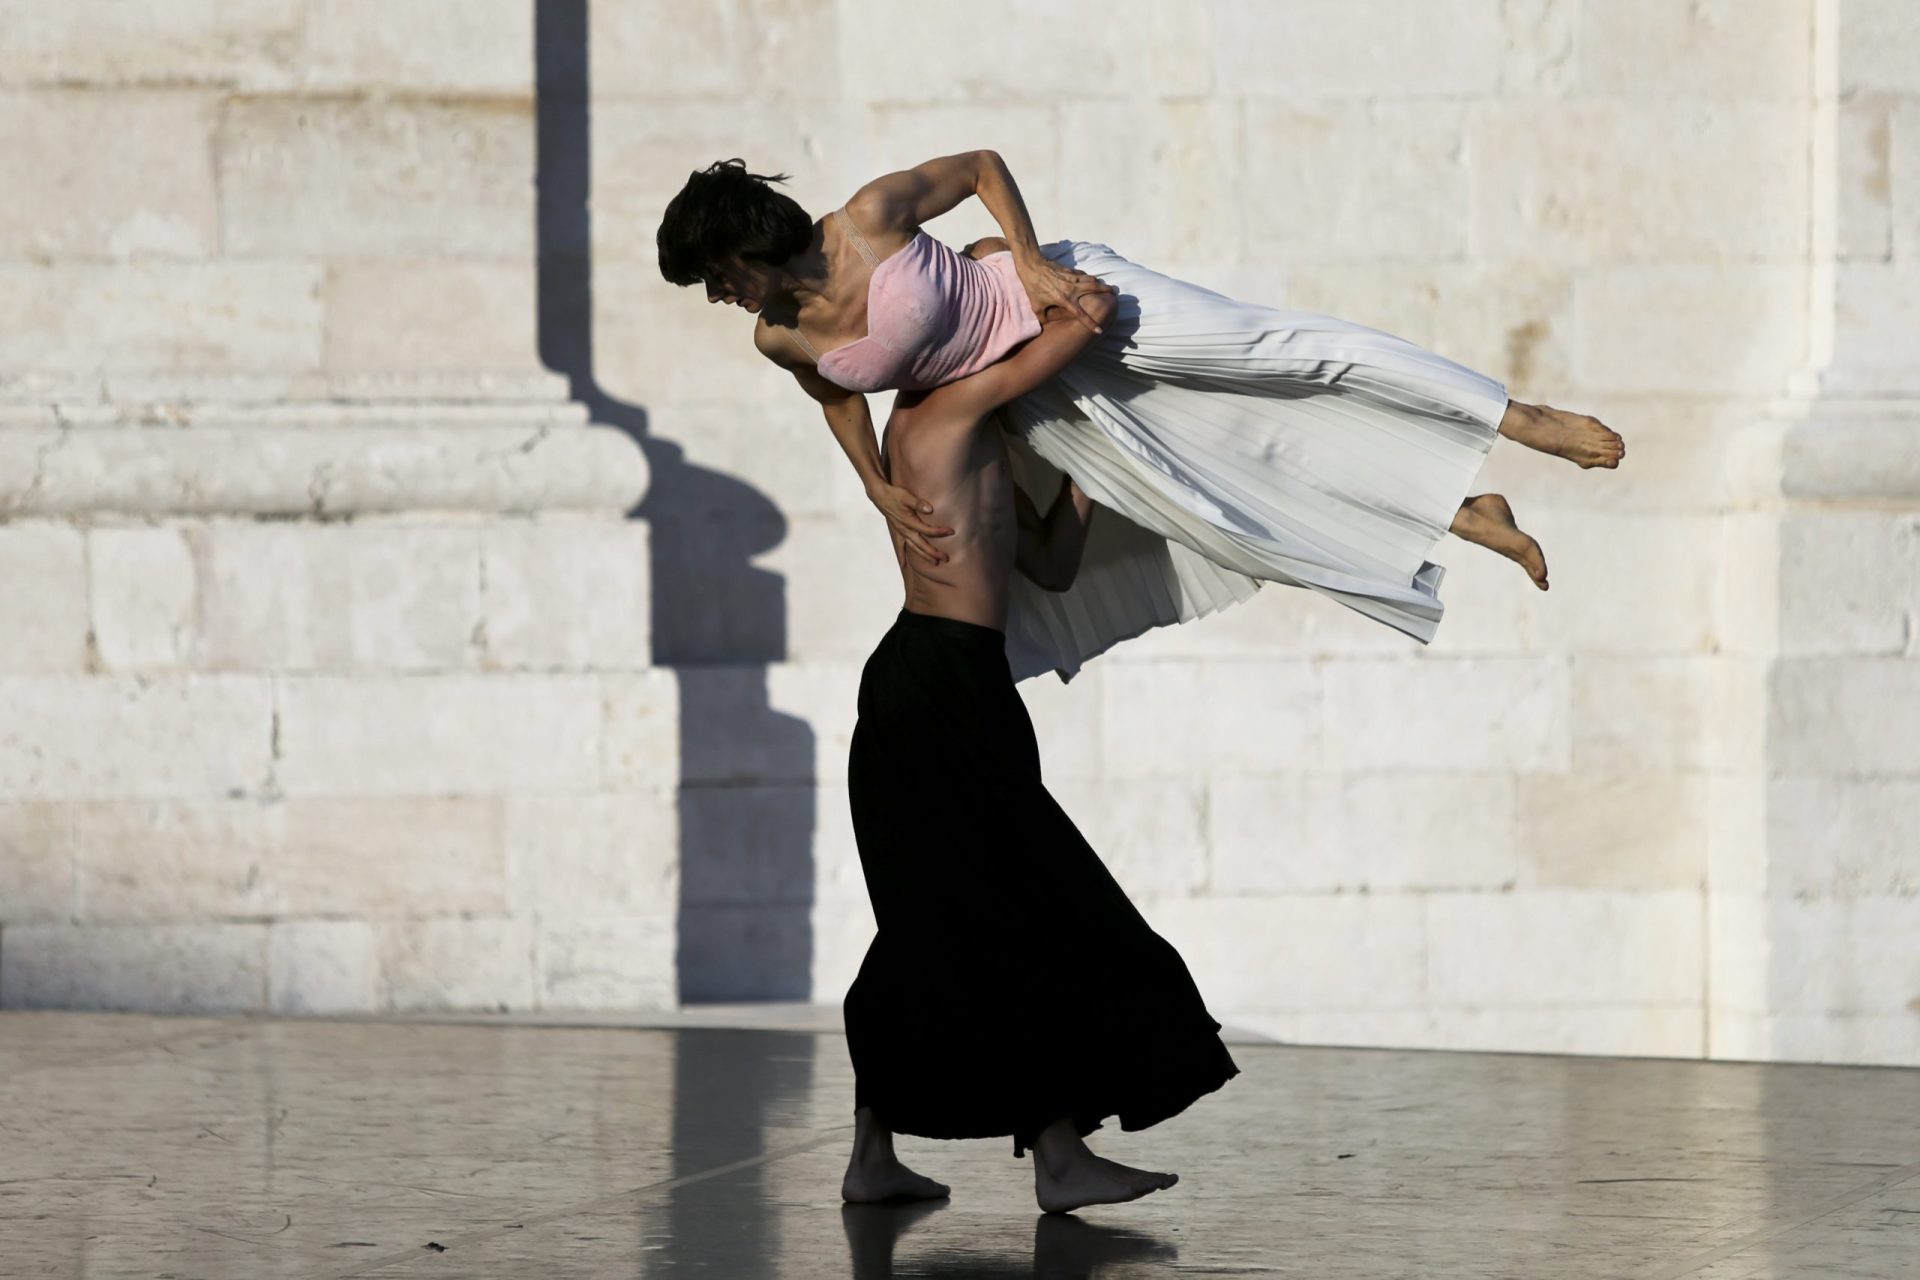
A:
1085	1178
1579	439
1486	519
884	1178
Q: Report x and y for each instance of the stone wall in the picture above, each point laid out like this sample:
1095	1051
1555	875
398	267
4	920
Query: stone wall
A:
325	672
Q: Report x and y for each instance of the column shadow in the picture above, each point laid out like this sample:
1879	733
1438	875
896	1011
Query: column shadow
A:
746	795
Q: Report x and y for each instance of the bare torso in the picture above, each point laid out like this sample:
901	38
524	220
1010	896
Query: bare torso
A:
960	465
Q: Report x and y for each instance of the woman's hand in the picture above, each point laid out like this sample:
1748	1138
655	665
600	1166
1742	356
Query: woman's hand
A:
1049	284
903	511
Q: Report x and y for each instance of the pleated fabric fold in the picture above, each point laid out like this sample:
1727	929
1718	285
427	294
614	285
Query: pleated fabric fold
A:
1243	444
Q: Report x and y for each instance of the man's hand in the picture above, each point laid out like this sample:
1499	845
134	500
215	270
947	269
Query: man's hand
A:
1048	284
903	511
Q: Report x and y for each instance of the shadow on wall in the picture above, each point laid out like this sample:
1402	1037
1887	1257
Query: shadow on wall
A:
746	786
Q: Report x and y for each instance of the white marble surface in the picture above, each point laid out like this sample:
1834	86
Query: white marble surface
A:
252	1147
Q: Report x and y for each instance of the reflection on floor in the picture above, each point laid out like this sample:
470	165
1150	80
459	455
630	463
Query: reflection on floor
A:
246	1147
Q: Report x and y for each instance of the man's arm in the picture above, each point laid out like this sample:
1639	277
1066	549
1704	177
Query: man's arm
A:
1050	546
1058	344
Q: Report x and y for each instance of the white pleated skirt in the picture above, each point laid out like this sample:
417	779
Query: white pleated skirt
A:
1241	444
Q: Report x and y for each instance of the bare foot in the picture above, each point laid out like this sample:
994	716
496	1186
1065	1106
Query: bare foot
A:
887	1180
1580	439
1092	1179
1486	519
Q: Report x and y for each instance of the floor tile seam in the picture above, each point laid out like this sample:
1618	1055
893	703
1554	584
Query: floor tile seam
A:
96	1056
836	1134
1699	1262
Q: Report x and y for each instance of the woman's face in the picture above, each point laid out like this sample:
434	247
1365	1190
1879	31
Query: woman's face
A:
747	285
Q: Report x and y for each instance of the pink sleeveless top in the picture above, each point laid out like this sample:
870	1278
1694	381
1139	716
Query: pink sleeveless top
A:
933	315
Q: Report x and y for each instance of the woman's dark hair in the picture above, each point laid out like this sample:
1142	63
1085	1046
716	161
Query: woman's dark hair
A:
724	210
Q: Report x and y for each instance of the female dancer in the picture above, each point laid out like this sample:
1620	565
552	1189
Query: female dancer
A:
954	1027
1242	444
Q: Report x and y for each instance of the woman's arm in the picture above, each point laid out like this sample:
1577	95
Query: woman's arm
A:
900	202
1049	547
1060	341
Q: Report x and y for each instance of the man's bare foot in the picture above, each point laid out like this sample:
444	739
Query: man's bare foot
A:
1486	519
885	1179
1580	439
1090	1179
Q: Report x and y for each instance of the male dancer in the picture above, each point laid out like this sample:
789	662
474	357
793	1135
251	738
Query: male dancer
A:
1011	987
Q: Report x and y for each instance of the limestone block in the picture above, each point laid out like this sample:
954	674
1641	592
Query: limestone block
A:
401	735
1687	329
1380	833
842	932
1842	838
640	722
1609	181
1028	138
1491	606
1356	1028
565	594
1716	49
36	864
1641	713
1864	161
322	966
839	878
1864	1040
1849	582
843	586
945	55
1839	716
1372	180
385	856
1067	724
1549	947
115	174
743	845
1733	1036
1338	951
183	41
43	612
1739	958
417	46
1371	49
1214	717
1877	309
1150	833
657	343
1738	717
1448	715
167	861
79	737
1640	583
1853	956
456	964
787	455
351	178
824	695
1738	854
784	49
1904	177
175	317
730	734
1159	183
367	596
144	598
1510	319
606	962
395	317
1615	831
745	952
1879	47
1638	1030
1748	597
194	968
1541	47
616	852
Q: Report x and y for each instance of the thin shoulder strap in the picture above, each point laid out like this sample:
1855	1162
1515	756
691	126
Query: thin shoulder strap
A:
859	241
801	340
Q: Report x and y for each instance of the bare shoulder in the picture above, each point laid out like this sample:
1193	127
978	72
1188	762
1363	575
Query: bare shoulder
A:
775	343
882	211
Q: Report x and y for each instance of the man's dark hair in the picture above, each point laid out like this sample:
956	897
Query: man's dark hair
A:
724	210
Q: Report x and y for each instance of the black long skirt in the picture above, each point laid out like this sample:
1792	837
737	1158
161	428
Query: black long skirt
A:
1010	983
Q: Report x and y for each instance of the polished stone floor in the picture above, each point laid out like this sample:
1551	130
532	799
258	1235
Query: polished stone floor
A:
245	1147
